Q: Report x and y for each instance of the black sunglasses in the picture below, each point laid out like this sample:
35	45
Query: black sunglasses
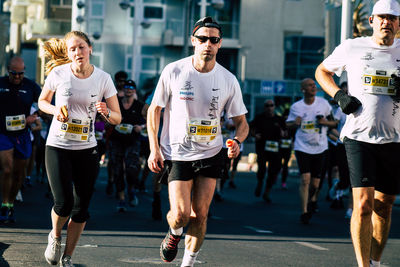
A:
269	105
16	73
203	39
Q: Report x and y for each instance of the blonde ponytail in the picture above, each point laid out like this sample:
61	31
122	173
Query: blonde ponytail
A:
55	50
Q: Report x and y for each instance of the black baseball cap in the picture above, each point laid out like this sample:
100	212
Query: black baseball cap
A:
208	22
129	84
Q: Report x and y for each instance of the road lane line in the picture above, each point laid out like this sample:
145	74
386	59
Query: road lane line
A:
310	245
258	230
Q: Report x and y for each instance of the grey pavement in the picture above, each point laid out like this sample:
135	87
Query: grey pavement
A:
242	231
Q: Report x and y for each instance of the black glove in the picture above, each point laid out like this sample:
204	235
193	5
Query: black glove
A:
348	104
396	84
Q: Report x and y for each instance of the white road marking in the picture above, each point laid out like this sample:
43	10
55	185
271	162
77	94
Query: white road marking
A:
258	230
88	246
310	245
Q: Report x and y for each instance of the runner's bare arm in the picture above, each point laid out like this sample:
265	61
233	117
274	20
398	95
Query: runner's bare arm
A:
242	130
155	160
325	79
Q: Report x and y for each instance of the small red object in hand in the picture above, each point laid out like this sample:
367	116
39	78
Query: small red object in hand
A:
229	143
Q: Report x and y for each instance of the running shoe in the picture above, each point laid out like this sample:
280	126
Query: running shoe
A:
11	215
66	261
312	207
232	185
169	246
53	250
305	217
218	196
121	206
266	198
19	196
3	214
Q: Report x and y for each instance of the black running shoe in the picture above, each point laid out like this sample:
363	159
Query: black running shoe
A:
11	215
3	214
312	207
305	217
169	246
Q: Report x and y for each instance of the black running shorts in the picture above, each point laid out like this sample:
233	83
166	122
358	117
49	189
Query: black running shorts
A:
188	170
311	163
374	165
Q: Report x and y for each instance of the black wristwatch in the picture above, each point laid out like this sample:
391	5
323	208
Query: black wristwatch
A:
108	114
237	141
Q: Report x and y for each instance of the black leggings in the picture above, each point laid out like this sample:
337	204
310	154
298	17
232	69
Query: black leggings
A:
72	175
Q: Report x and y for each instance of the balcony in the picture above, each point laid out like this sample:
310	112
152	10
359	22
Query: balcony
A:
46	28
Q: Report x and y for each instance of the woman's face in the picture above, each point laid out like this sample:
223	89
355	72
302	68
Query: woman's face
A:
78	51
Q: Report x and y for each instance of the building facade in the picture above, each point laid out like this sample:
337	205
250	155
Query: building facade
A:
270	45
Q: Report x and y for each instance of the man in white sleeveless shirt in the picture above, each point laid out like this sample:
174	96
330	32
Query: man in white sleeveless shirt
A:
371	133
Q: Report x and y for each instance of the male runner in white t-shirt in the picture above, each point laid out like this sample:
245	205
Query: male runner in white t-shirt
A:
371	133
194	92
310	117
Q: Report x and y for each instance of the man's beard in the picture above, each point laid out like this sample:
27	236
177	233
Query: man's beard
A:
207	57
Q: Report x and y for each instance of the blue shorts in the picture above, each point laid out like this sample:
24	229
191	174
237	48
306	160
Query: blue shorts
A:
21	144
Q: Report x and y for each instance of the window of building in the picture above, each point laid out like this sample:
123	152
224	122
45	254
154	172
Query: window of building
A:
60	2
97	9
302	56
151	11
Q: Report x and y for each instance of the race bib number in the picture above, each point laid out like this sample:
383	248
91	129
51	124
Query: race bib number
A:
202	130
15	123
309	127
271	146
378	82
75	129
124	128
286	143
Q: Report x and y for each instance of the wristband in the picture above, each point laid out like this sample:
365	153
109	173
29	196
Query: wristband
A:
237	141
108	114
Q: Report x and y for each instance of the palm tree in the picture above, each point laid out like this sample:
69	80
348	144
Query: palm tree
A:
360	19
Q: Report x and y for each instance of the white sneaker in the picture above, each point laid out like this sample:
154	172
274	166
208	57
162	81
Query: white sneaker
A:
53	250
66	261
19	197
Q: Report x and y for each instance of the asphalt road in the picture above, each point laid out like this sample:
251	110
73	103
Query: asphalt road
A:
242	231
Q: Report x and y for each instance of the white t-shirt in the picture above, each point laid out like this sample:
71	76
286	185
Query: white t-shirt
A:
369	67
80	97
193	103
310	138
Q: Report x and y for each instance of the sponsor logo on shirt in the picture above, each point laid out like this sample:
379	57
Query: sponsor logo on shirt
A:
368	56
213	107
66	92
185	92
